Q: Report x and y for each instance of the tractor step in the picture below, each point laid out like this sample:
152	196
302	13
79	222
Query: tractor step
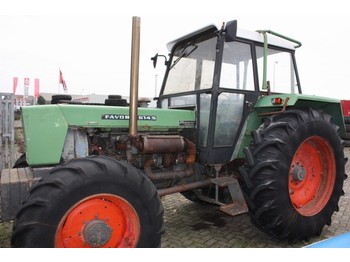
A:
223	181
234	209
238	206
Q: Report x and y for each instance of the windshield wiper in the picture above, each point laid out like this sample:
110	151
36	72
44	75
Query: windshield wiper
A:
184	53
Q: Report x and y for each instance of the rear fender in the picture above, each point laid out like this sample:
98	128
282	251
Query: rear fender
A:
330	106
265	107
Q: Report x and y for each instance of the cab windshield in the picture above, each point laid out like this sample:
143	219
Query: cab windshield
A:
193	63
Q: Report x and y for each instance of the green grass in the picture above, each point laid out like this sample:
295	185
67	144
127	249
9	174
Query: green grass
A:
5	234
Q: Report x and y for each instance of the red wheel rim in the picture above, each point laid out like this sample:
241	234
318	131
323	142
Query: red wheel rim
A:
99	221
312	176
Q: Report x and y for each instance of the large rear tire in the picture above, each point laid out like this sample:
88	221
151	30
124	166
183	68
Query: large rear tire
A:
294	174
91	202
55	99
347	120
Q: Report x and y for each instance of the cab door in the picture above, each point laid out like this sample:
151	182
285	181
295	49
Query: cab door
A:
235	91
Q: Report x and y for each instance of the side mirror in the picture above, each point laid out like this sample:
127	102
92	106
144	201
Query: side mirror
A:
155	58
231	31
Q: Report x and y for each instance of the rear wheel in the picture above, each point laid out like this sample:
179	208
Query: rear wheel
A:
57	98
114	97
347	143
92	202
346	136
347	128
294	174
347	120
116	102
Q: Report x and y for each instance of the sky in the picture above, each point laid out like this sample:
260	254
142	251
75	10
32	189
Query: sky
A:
91	44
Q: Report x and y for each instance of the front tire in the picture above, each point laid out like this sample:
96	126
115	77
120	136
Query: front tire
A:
91	202
294	174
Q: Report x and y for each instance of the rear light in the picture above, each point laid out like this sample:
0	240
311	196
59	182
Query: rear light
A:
277	101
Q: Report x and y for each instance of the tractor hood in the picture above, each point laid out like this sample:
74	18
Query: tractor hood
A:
45	127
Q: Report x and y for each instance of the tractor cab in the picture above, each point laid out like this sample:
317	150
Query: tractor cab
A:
221	73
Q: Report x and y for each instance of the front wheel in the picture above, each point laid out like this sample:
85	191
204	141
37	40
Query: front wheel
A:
91	202
294	174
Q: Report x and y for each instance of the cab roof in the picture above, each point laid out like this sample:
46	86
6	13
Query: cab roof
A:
241	33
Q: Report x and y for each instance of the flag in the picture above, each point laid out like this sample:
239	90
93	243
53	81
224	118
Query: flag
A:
62	81
36	88
15	81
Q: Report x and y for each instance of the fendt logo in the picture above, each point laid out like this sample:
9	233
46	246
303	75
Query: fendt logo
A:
126	117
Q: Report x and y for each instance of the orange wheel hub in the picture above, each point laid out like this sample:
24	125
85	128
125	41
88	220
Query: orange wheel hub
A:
312	176
101	220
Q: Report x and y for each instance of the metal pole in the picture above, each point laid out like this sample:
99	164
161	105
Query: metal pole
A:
1	132
134	76
7	149
155	85
184	187
12	130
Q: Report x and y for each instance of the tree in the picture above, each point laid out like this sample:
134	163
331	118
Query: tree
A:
41	100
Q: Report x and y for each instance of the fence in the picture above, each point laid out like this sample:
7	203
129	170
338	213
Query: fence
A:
7	131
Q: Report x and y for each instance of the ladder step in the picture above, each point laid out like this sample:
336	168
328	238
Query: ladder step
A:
238	205
224	181
234	208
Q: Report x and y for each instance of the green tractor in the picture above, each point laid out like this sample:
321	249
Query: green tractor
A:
231	129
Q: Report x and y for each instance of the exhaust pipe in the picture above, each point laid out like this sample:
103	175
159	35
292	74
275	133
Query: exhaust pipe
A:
134	76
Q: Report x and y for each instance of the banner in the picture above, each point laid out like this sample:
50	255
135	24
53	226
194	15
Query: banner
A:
36	88
15	82
26	87
26	81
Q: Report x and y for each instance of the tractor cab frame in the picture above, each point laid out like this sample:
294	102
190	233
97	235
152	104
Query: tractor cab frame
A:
218	73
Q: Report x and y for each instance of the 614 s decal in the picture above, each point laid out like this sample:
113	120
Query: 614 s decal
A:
126	117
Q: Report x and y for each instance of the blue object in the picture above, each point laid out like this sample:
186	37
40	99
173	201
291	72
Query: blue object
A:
341	241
